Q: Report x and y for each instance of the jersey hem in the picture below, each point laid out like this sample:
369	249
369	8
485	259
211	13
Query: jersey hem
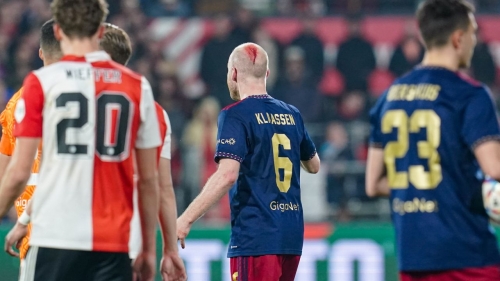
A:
72	245
311	156
451	266
233	254
220	155
485	139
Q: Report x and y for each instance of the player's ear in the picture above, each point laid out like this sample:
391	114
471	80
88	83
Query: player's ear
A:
40	53
100	32
456	38
57	32
267	73
234	76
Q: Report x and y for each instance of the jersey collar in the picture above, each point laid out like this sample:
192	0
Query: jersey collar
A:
263	96
90	57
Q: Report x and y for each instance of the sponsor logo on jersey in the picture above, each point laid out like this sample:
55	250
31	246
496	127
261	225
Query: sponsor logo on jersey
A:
230	141
284	207
417	205
20	111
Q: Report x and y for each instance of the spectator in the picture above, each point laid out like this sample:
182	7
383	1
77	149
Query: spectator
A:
353	107
199	142
272	47
313	49
406	56
213	68
166	8
355	59
336	154
482	65
244	23
174	102
296	86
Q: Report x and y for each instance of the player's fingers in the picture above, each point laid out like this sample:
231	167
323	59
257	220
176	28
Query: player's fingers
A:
11	252
19	244
183	243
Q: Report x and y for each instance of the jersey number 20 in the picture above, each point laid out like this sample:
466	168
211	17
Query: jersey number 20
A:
111	141
427	149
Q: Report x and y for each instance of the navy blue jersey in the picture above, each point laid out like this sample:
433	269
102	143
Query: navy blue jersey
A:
428	124
268	138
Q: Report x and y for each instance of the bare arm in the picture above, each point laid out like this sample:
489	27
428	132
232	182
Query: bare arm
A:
147	185
220	183
488	156
18	172
376	179
312	166
168	207
4	162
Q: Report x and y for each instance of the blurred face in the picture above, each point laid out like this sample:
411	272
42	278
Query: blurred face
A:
232	84
467	44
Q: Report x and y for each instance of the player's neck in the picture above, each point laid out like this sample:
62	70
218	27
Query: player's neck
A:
441	58
79	47
251	88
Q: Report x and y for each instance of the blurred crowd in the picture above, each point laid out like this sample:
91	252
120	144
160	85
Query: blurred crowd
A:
301	74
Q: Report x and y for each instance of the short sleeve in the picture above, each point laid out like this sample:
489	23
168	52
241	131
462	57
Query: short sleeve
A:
307	147
167	141
375	129
231	137
148	135
7	140
480	123
29	109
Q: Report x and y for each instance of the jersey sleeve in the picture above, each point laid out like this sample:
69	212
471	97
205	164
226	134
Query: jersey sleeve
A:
148	135
7	140
375	123
480	121
231	137
29	109
307	147
167	142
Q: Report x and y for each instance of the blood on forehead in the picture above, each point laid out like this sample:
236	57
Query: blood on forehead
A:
251	51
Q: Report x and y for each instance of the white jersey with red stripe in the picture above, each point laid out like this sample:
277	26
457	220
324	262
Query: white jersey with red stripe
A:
135	243
93	113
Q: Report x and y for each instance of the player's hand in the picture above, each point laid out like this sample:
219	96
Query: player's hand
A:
144	267
183	227
172	267
15	237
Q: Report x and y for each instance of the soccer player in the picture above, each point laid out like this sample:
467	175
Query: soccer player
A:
427	131
94	114
49	53
116	43
262	143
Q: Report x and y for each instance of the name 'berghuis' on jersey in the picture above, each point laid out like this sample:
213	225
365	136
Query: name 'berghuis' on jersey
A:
428	123
269	139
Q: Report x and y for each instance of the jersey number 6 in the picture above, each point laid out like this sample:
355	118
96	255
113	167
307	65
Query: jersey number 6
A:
426	149
282	163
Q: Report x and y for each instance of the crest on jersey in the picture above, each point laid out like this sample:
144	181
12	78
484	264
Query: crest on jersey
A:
20	111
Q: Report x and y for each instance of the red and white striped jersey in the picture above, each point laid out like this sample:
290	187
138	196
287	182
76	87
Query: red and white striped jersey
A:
91	114
135	243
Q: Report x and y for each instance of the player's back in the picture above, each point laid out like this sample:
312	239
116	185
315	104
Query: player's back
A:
428	123
94	114
269	139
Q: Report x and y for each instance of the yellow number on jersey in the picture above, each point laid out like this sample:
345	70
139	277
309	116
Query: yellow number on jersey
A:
427	149
282	162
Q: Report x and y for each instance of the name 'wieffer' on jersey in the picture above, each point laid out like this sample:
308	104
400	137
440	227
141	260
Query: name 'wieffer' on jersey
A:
105	75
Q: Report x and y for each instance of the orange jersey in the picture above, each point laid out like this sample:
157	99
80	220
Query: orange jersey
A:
7	145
